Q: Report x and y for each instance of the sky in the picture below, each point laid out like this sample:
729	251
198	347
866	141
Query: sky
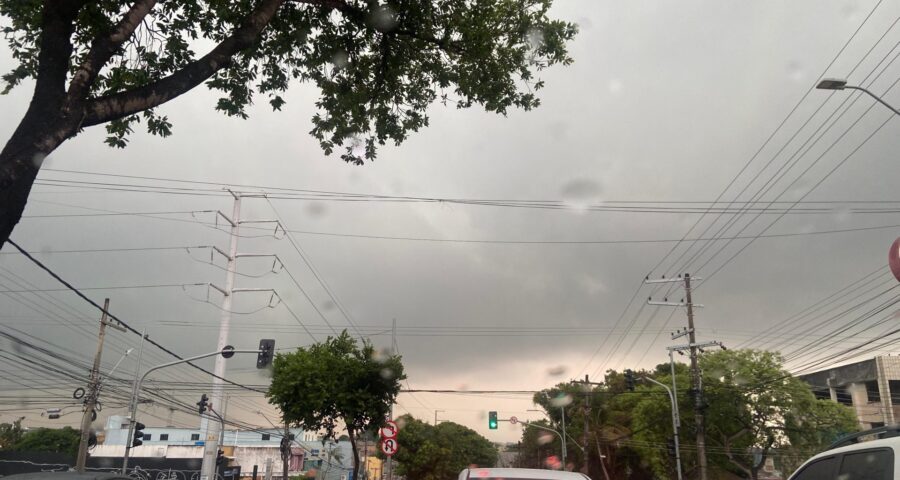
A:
672	105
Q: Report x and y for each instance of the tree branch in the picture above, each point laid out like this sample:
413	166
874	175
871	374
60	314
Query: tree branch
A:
57	25
119	105
103	48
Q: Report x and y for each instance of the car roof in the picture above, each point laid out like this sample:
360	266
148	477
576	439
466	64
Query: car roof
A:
881	442
529	473
890	442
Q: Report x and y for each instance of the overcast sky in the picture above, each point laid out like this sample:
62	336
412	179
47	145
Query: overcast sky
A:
666	102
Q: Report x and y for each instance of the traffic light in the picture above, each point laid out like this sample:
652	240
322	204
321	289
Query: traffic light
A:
220	457
670	447
629	380
266	351
202	404
138	434
492	420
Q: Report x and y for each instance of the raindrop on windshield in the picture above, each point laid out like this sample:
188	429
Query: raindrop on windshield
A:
340	59
581	193
561	400
383	18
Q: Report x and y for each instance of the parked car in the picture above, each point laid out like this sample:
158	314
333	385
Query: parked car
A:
519	474
868	455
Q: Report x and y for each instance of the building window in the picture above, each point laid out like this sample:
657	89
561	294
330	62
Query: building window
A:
894	385
876	425
148	437
163	436
195	436
872	391
843	396
266	436
822	393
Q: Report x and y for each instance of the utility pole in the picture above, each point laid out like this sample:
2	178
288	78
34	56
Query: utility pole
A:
93	390
696	386
210	445
587	416
393	352
695	382
286	452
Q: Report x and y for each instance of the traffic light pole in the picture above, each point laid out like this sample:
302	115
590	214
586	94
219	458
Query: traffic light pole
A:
132	407
135	398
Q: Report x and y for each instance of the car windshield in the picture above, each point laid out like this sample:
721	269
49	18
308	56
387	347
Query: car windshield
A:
406	239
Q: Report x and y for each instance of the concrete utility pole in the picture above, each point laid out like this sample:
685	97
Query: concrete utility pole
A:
211	446
93	390
211	443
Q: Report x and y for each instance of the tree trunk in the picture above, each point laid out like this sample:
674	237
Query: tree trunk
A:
20	161
352	435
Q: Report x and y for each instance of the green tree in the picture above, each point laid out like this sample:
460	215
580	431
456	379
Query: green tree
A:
440	452
378	66
336	381
10	434
753	408
61	440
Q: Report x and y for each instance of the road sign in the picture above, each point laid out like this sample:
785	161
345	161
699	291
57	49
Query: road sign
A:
389	446
893	260
513	420
389	430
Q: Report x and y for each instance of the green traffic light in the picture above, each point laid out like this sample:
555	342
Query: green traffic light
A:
492	420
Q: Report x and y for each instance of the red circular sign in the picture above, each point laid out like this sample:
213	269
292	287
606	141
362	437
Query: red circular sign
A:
894	259
389	446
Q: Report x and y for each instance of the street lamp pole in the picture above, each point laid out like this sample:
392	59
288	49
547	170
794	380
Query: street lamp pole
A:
562	410
676	422
836	84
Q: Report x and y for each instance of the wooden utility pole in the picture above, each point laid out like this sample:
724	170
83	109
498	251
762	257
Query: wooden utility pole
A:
93	391
587	420
286	451
696	384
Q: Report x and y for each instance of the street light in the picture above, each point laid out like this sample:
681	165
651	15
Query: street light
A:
562	410
837	84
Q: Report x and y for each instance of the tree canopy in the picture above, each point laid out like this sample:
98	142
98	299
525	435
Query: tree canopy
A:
61	440
755	410
377	66
429	452
336	382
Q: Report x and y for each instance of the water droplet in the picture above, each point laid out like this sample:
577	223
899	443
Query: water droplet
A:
581	193
850	11
615	86
795	72
553	462
535	38
842	215
556	371
401	423
328	305
340	59
387	373
315	209
38	159
383	18
561	400
46	250
584	23
544	438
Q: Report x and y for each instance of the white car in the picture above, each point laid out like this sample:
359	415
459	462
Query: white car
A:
519	474
853	458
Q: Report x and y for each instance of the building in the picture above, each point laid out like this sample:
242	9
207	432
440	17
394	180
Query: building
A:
871	387
249	449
